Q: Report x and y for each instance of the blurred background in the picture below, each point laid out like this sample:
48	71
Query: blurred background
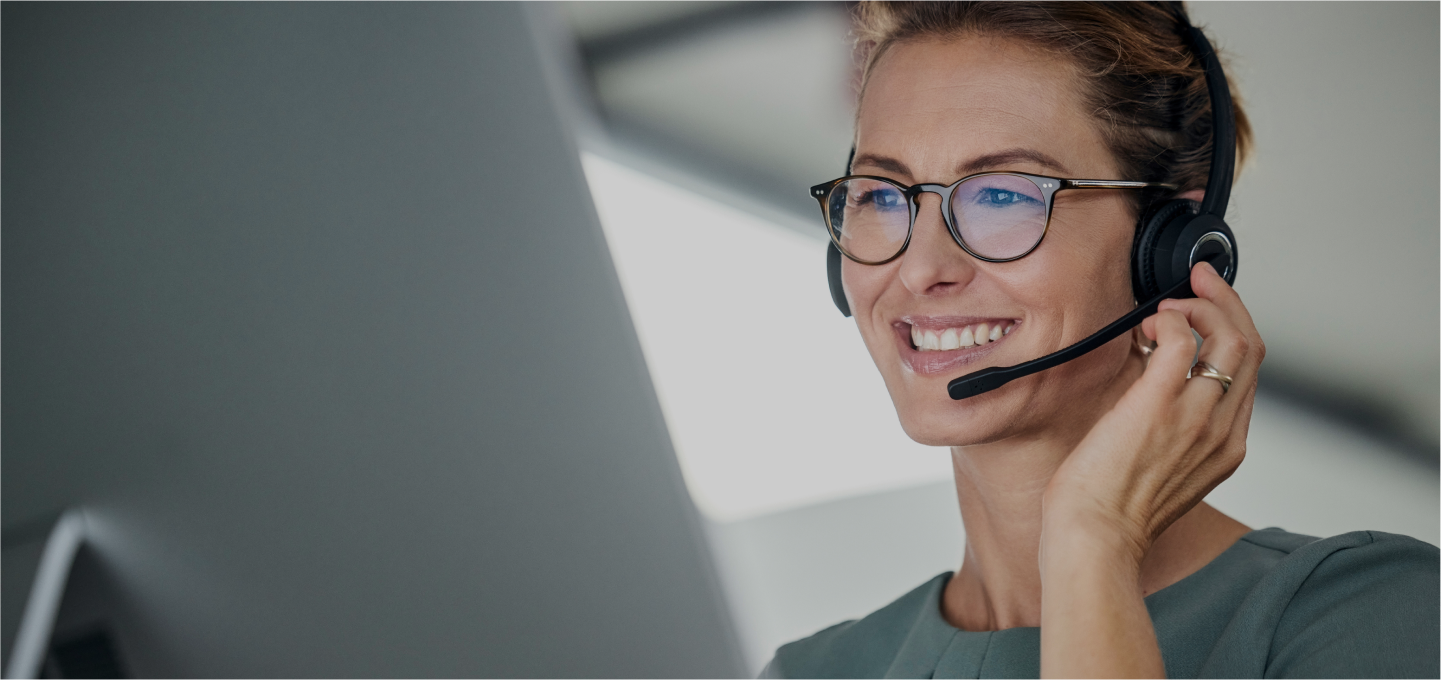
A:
822	509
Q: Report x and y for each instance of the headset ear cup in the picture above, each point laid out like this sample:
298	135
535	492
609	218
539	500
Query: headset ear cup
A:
1151	250
833	275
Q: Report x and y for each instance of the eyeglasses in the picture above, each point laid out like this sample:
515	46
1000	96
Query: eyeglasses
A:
994	216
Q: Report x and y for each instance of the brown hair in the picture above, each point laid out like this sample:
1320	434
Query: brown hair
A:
1141	78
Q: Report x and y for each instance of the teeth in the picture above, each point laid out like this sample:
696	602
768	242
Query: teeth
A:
958	338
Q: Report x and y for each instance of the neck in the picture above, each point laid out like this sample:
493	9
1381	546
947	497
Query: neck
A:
1000	485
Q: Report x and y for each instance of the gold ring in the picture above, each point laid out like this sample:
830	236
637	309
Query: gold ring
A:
1209	371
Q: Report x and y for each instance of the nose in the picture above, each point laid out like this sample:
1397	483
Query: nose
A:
934	264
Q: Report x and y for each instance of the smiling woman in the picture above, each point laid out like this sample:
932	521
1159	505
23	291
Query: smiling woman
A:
968	245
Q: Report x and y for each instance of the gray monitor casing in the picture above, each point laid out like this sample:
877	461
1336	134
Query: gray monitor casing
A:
308	308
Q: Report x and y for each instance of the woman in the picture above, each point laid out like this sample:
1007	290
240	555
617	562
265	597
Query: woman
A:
1089	550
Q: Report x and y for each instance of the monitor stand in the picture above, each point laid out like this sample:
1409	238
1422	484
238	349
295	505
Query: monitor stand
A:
35	565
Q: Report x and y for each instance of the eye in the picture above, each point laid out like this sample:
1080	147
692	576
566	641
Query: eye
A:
1003	197
882	198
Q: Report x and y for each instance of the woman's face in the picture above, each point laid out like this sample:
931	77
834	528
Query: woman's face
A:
934	112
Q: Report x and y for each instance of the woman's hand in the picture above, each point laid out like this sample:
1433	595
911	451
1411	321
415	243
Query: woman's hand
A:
1169	440
1167	443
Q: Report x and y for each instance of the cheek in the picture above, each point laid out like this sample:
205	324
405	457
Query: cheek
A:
1090	260
1075	283
865	285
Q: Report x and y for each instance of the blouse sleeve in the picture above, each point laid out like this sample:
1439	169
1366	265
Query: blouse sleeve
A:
1366	611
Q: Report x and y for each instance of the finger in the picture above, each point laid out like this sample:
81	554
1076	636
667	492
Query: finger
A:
1227	444
1223	344
1211	381
1230	413
1208	285
1225	350
1241	423
1243	408
1175	346
1225	347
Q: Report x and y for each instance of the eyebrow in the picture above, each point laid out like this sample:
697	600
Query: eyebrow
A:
883	162
989	161
1009	157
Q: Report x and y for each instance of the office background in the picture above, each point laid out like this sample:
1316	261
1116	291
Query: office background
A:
723	113
340	333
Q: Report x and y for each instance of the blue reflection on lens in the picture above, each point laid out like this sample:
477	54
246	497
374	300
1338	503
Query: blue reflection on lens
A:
1002	198
886	198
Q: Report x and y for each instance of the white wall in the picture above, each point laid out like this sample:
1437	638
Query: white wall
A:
1337	216
759	376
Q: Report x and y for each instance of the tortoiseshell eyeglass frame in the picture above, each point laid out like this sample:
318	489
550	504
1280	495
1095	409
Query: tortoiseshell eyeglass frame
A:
1049	187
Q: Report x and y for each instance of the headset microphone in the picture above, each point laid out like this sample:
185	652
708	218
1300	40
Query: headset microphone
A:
988	379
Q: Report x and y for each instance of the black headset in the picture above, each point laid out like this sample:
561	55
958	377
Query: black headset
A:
1171	237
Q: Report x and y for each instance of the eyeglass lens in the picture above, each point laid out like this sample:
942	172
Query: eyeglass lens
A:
998	216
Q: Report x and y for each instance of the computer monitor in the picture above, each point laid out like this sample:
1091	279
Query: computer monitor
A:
308	311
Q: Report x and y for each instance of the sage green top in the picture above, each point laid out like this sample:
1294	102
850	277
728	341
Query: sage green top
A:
1275	604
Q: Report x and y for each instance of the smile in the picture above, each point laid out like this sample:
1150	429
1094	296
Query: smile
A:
929	340
941	344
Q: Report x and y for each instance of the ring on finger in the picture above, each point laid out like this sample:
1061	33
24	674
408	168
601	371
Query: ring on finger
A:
1205	370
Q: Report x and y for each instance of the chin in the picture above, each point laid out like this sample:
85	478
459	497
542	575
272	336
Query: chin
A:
940	421
1026	406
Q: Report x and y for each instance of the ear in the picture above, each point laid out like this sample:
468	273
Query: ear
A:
1193	195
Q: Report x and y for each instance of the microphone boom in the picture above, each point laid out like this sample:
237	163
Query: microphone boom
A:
988	379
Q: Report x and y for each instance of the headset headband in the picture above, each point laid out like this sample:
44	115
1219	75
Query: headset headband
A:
1223	129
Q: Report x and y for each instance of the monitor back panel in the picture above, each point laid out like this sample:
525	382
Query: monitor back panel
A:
308	307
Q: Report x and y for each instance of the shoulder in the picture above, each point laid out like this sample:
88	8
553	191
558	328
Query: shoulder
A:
1308	578
1294	564
859	648
1302	568
1364	603
1361	572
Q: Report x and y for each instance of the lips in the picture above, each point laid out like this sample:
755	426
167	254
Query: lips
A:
940	344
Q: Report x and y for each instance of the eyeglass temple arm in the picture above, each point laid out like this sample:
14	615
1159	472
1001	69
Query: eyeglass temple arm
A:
1113	184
